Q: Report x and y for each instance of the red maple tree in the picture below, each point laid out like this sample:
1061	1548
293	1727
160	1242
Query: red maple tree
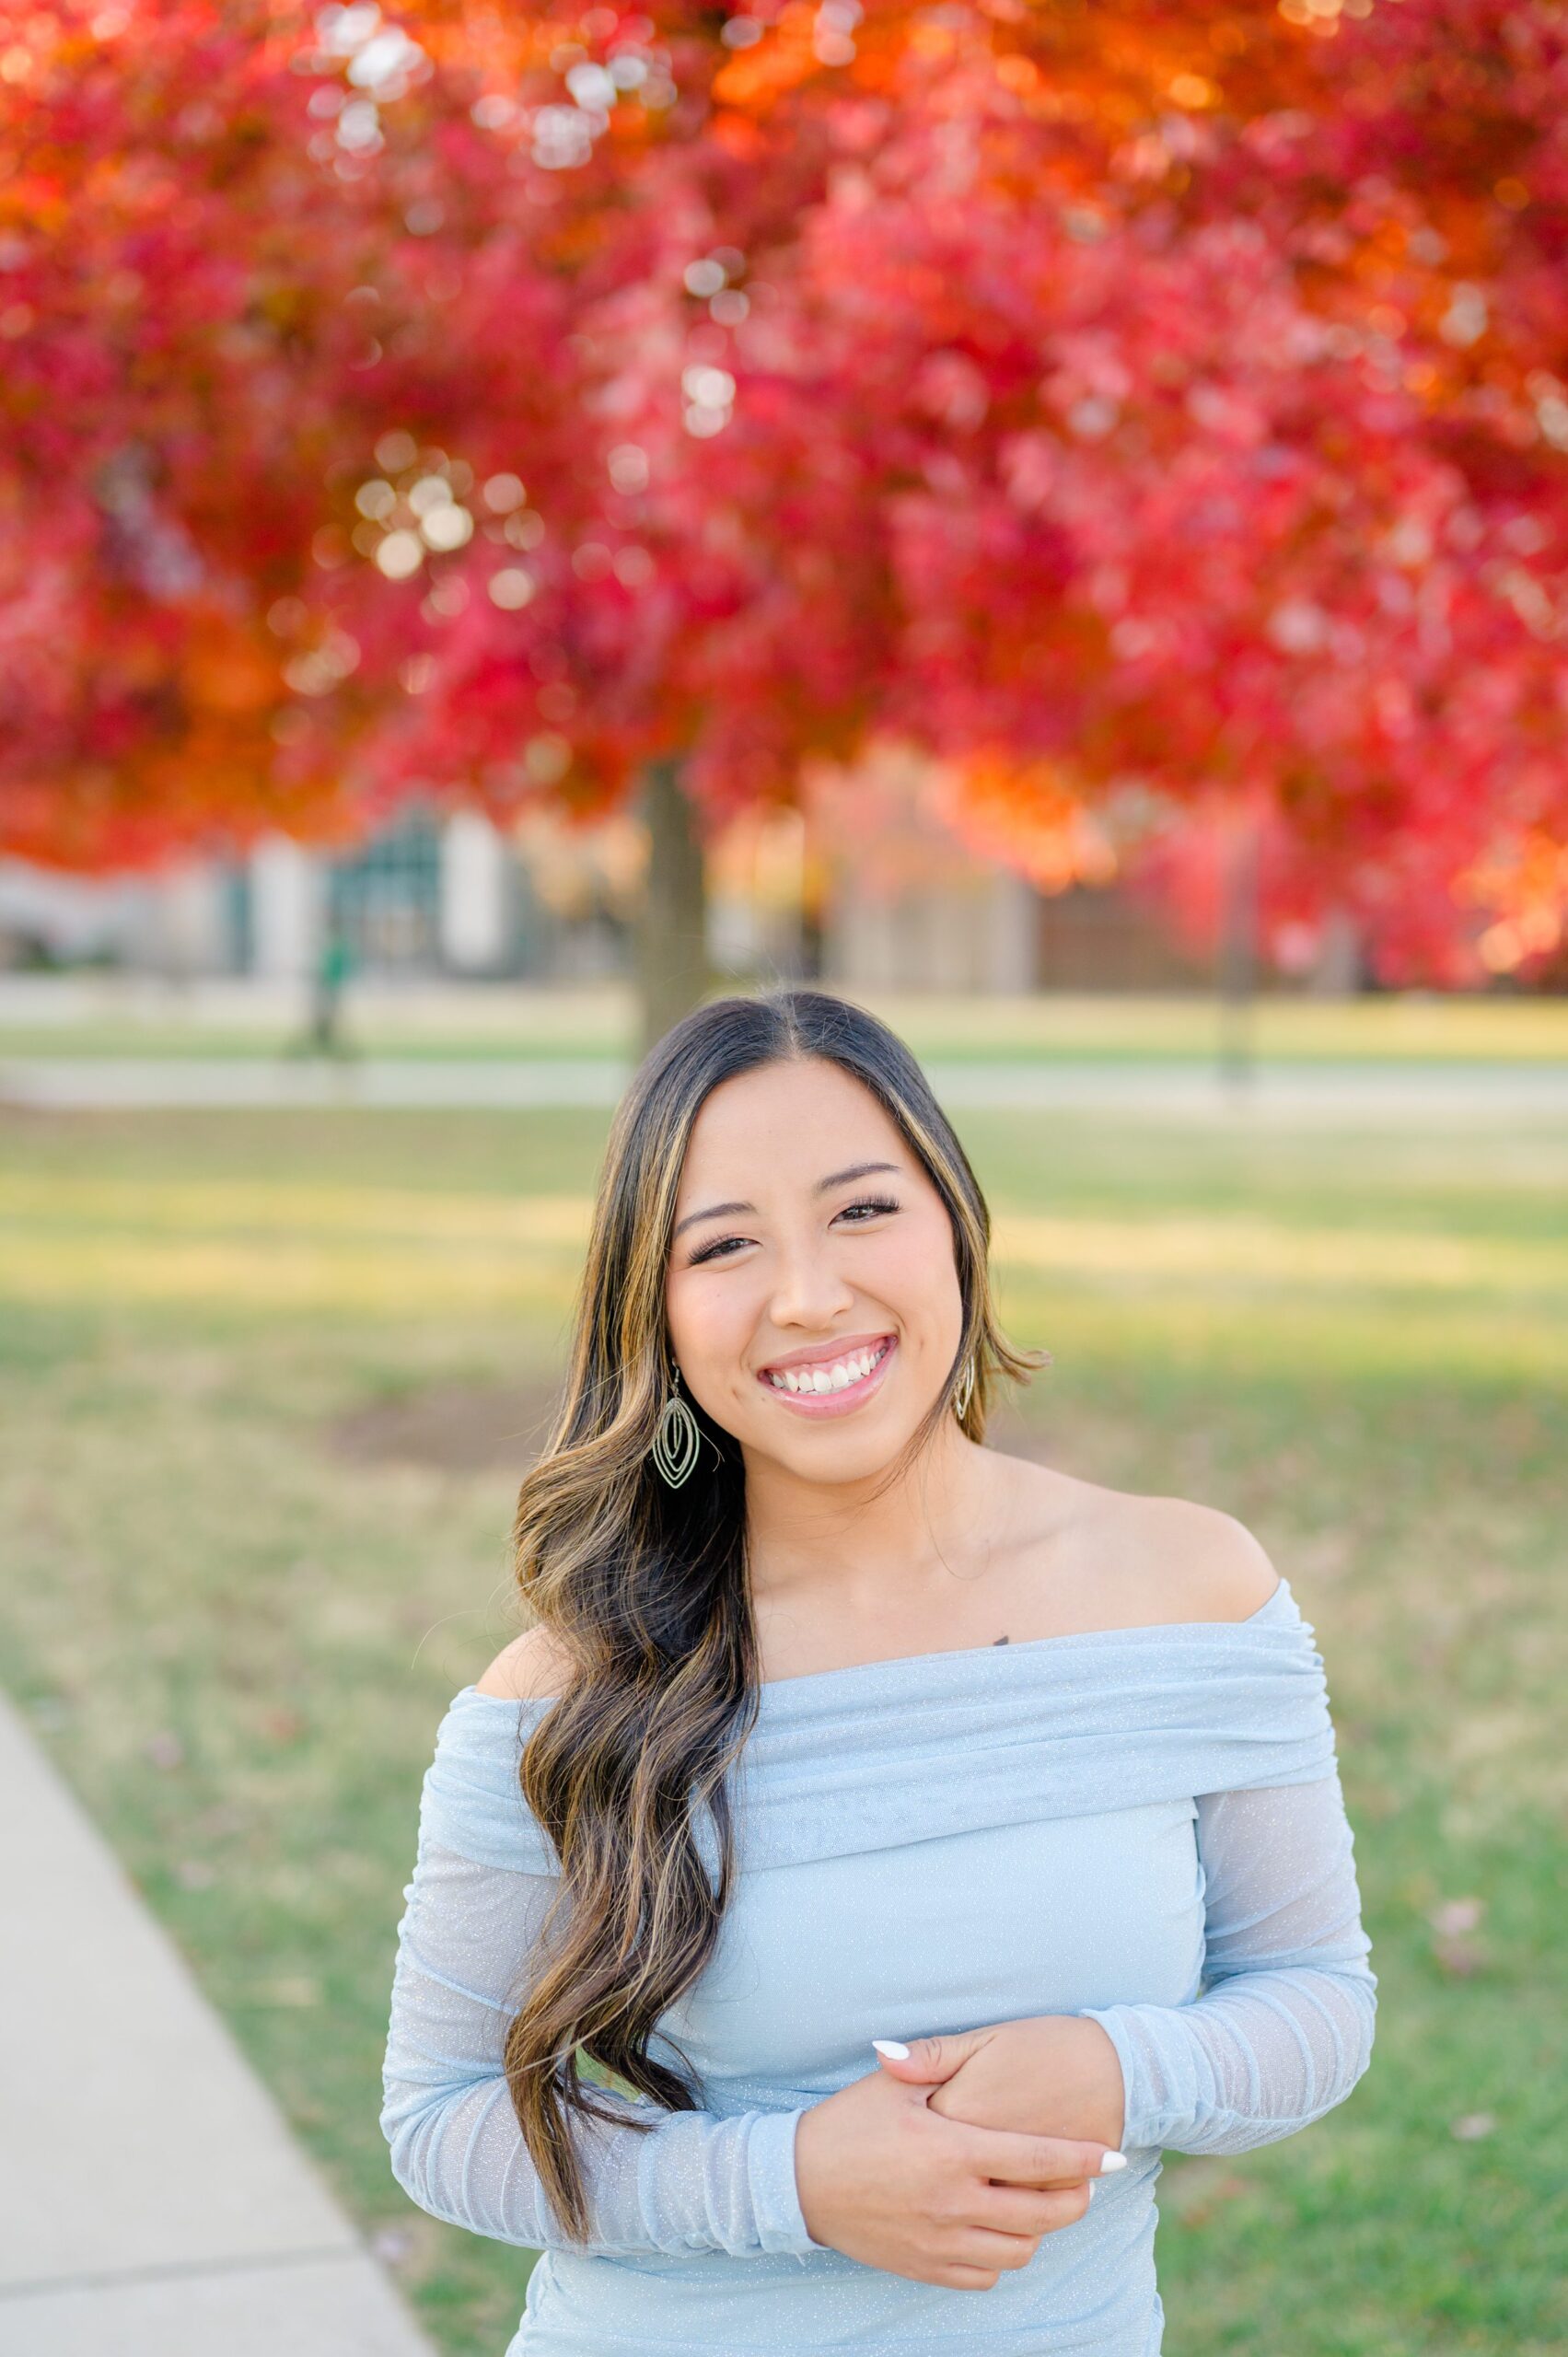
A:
1154	405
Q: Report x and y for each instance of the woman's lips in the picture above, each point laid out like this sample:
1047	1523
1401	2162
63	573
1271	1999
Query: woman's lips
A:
836	1403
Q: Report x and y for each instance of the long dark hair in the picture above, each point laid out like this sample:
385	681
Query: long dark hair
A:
645	1589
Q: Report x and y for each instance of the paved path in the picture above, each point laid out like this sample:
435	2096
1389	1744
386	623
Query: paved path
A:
1345	1091
153	2202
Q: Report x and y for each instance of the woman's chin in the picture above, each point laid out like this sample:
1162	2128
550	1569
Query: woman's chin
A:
834	1454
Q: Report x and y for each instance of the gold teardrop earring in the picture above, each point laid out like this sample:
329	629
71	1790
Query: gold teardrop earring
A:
677	1438
964	1390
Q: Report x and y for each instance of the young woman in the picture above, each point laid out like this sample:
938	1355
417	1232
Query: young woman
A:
879	1849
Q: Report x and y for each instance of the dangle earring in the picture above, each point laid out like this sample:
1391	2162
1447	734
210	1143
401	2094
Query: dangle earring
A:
677	1439
964	1392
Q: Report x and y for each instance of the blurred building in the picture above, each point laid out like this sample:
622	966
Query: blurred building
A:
433	895
887	900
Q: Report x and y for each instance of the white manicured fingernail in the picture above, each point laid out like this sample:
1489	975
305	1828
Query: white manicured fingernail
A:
1111	2161
894	2048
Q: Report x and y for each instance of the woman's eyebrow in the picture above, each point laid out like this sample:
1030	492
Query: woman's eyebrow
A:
835	1178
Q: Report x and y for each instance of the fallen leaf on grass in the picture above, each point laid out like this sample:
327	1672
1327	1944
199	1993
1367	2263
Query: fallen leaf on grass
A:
1460	1957
1451	1919
1456	1915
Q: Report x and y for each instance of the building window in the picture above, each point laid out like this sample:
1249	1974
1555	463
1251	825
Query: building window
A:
385	897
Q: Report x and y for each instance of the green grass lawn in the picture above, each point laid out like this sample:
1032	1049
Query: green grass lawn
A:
268	1384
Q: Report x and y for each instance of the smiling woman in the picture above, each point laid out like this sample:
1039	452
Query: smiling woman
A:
836	1723
831	1295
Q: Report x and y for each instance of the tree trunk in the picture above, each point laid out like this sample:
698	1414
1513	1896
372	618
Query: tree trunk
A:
1239	956
671	943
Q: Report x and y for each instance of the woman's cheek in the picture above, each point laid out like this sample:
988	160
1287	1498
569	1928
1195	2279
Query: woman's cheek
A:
711	1328
908	1275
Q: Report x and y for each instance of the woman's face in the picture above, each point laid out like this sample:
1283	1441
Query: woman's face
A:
813	1295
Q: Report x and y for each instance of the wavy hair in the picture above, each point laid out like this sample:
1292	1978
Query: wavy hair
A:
647	1590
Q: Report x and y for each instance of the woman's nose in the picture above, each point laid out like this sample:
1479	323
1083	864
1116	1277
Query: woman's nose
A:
810	1291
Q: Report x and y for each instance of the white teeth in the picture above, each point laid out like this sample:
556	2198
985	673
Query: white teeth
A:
837	1377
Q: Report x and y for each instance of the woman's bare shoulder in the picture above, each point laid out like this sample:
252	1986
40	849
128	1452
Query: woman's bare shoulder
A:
1161	1559
1219	1568
533	1667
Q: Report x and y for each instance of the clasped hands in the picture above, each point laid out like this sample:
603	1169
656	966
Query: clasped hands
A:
950	2164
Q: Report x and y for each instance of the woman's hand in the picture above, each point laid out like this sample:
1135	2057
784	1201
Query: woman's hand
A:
1052	2074
887	2181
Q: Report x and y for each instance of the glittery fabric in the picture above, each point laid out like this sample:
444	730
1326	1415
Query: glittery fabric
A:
1141	1826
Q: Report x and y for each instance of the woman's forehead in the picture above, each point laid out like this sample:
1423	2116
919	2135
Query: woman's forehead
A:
789	1121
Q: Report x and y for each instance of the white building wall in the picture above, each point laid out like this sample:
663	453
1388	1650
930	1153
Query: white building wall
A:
179	928
475	895
287	909
73	916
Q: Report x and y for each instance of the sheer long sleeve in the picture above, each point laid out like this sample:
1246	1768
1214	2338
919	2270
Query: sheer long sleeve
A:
1281	2028
694	2182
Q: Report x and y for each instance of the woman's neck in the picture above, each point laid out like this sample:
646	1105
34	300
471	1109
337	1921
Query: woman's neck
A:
842	1546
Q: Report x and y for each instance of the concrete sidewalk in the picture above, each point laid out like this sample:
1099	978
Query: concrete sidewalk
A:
153	2202
1361	1093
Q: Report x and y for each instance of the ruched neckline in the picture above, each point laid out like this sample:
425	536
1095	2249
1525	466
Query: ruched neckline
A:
875	1755
777	1687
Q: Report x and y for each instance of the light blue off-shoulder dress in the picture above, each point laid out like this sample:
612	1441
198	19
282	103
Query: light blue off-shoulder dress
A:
1141	1826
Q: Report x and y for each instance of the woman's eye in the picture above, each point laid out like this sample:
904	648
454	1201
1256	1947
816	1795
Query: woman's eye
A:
868	1203
724	1247
719	1249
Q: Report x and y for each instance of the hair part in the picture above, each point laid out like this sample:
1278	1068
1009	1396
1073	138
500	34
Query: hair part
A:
647	1590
